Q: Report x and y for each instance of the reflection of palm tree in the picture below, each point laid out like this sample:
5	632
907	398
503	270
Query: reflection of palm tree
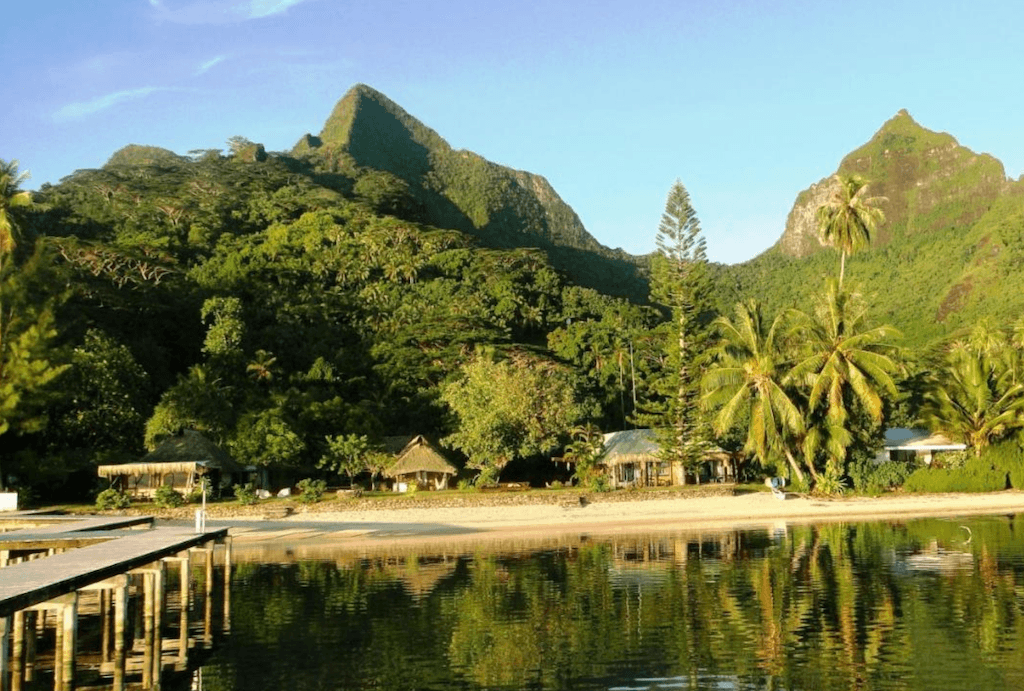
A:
849	217
749	376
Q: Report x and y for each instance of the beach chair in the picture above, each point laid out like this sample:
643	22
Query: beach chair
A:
777	485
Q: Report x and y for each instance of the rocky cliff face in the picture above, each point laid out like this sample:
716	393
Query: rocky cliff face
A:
464	191
929	181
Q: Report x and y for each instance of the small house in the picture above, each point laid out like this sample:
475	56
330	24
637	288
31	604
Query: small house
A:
421	465
920	445
179	462
632	458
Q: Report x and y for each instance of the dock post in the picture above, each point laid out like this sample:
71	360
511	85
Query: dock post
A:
5	633
208	605
18	650
147	637
70	626
185	571
30	644
120	625
227	583
105	624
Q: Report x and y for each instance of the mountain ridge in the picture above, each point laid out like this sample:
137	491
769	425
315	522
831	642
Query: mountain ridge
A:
461	189
947	255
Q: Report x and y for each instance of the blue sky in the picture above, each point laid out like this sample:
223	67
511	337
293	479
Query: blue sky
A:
746	102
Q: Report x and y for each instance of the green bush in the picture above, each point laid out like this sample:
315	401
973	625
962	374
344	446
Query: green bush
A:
311	491
167	497
246	494
195	496
488	477
112	499
871	478
1007	456
977	475
597	483
832	484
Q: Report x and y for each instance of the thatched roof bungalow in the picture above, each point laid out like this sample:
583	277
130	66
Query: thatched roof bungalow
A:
419	464
631	458
178	462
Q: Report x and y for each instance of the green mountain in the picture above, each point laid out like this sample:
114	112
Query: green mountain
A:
948	254
367	133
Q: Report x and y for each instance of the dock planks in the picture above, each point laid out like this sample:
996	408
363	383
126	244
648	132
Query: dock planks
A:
33	582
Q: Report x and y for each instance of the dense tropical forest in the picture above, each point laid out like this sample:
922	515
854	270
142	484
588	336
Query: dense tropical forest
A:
299	307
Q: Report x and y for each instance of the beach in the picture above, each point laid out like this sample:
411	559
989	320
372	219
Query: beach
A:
445	525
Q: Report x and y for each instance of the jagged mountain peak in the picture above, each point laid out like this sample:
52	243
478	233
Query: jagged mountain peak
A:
929	181
463	190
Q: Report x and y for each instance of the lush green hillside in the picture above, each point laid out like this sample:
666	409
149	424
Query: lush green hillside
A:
947	255
271	304
459	189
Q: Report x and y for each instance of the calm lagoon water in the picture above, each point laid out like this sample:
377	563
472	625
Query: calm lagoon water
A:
924	604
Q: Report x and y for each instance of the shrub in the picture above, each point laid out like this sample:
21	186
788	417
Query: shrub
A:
488	477
555	484
977	475
885	476
196	494
246	494
464	485
1007	456
891	474
311	490
167	497
831	483
112	499
598	483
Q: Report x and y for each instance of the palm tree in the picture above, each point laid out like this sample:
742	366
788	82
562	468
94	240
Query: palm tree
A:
261	368
11	197
974	397
748	374
848	218
845	361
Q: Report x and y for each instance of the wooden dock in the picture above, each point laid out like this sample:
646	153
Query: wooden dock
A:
47	563
32	582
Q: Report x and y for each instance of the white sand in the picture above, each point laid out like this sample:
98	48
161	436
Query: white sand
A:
543	520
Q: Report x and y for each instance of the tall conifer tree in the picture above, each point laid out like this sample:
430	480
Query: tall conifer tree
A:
681	283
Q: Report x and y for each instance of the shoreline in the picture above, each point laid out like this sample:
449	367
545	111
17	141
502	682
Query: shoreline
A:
439	527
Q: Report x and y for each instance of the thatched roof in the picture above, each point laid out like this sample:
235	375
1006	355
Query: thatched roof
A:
629	446
420	455
640	446
181	453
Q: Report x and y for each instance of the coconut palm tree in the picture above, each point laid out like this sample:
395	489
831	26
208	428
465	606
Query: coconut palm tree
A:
848	218
845	361
748	373
11	197
974	396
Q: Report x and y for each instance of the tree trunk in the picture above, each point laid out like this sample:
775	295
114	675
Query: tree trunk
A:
794	465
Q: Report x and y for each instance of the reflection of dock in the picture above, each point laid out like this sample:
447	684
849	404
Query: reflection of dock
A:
58	572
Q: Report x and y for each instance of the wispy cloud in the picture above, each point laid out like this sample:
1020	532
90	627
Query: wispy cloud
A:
265	8
206	66
81	109
219	11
